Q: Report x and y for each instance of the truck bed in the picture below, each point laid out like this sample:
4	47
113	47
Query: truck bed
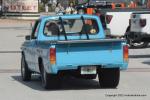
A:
72	54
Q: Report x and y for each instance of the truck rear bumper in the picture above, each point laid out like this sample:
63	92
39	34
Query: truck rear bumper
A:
54	69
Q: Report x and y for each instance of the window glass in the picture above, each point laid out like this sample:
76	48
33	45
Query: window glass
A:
71	27
35	30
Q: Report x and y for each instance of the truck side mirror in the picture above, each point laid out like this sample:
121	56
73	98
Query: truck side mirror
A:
28	37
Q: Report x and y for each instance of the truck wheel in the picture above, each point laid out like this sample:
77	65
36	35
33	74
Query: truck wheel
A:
109	77
50	81
25	72
139	45
132	44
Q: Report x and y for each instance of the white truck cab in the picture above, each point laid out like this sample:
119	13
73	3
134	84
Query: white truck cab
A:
118	22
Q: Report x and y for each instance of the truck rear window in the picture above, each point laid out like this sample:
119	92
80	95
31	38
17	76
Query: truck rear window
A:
71	27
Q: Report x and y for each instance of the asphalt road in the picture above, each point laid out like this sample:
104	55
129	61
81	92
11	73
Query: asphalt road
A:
134	83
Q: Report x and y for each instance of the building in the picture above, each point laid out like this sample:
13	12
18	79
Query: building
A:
25	6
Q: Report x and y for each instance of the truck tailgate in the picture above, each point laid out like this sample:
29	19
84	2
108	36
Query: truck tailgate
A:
97	52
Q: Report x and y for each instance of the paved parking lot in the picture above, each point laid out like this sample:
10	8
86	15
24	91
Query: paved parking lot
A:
134	83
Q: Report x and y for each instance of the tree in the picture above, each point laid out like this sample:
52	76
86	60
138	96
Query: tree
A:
44	1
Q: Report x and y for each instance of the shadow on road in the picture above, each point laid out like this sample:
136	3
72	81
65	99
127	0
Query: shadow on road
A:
34	84
137	70
10	52
68	83
15	28
146	62
139	56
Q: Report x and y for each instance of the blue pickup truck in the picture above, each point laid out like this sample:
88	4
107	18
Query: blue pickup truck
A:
72	45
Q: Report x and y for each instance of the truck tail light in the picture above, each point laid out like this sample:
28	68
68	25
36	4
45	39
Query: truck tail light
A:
142	22
108	18
125	53
52	55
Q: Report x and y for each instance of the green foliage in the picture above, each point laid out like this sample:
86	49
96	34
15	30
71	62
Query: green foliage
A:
41	7
51	8
45	1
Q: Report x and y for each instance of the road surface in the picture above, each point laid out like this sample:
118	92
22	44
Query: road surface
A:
134	83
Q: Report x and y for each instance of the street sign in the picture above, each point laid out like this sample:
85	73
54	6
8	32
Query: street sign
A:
21	5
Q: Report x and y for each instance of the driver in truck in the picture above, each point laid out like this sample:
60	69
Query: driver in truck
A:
52	29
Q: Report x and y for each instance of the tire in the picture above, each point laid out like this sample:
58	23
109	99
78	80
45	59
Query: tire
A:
133	44
109	77
49	81
25	72
139	45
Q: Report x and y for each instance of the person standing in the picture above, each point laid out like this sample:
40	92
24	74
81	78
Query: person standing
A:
148	4
59	10
70	9
46	8
0	10
132	4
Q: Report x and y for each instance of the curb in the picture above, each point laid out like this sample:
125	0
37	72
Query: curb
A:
25	16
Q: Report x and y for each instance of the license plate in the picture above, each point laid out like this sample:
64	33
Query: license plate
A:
88	70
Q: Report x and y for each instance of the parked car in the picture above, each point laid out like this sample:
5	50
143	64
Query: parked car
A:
75	45
139	33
